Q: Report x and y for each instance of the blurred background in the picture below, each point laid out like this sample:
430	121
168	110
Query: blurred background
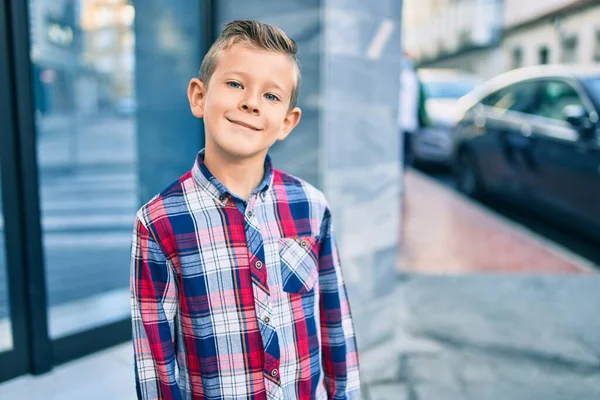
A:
458	142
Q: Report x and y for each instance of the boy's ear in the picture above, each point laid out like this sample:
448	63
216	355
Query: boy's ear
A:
289	123
197	97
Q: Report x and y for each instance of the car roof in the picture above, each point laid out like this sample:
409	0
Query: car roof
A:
534	72
543	71
554	70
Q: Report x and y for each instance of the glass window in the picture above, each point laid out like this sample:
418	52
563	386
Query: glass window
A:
448	89
556	95
6	341
493	98
517	57
593	86
519	97
544	55
85	104
569	50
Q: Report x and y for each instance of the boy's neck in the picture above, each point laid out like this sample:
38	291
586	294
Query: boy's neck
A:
240	176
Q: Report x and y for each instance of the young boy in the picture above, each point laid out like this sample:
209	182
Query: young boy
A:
236	285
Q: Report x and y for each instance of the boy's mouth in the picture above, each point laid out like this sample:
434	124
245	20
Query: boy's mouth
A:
243	124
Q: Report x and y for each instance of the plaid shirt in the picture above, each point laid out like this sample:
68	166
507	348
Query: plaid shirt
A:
235	300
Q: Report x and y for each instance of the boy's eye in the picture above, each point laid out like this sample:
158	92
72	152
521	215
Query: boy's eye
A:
271	97
234	84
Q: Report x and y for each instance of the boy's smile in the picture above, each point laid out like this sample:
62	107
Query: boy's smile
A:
243	124
245	104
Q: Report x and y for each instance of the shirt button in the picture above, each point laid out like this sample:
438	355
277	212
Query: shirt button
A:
274	372
222	198
303	243
267	320
249	214
258	264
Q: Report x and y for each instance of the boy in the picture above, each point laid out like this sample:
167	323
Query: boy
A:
235	278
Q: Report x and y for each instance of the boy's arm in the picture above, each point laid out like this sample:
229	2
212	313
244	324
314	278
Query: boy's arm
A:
339	352
153	310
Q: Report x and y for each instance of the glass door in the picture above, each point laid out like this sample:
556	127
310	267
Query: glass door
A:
14	354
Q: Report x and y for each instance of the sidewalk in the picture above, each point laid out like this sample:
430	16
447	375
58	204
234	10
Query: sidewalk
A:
528	330
485	310
447	233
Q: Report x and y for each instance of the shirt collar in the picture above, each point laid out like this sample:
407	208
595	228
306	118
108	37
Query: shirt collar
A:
211	184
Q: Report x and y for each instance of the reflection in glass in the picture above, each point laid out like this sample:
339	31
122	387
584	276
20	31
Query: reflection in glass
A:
82	53
6	341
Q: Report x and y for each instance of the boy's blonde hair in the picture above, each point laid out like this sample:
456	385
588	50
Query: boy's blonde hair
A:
258	35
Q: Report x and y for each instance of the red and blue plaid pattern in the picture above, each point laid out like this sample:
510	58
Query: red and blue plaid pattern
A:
232	305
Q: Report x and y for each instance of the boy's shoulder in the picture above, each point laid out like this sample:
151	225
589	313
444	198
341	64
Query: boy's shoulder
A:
168	200
297	188
172	199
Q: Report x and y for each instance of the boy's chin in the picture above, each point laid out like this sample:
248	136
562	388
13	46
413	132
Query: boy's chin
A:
240	151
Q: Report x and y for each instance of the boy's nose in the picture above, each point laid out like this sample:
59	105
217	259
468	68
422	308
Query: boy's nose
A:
248	107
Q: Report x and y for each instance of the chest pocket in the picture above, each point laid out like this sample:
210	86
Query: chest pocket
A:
299	263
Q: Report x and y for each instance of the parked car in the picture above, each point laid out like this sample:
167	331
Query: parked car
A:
432	144
532	135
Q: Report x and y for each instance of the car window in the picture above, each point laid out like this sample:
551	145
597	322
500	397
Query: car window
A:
593	85
448	89
519	97
556	95
493	98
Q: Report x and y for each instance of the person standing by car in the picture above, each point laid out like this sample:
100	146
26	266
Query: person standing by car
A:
412	114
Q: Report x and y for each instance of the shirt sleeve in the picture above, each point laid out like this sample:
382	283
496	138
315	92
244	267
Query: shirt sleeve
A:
339	351
153	310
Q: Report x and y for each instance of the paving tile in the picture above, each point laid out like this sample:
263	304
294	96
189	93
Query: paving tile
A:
388	392
98	376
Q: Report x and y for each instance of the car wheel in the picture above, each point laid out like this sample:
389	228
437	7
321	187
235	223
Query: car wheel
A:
466	175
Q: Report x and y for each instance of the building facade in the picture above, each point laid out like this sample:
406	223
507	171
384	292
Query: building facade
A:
557	31
489	37
462	34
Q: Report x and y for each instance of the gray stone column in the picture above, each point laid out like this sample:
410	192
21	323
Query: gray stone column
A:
347	143
169	50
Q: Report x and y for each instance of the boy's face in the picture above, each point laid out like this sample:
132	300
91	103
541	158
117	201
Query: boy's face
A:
245	106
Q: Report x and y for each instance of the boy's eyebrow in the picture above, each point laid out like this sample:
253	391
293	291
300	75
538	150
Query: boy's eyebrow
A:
270	82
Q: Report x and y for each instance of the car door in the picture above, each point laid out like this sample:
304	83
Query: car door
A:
564	173
505	117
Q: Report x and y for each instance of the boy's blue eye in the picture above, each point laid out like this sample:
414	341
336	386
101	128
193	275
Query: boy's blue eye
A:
271	97
234	85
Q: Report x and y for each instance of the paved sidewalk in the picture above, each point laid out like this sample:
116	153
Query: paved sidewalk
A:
490	337
104	375
485	309
446	233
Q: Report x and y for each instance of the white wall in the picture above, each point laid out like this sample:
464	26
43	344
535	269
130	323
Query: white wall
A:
584	25
431	27
518	11
485	63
